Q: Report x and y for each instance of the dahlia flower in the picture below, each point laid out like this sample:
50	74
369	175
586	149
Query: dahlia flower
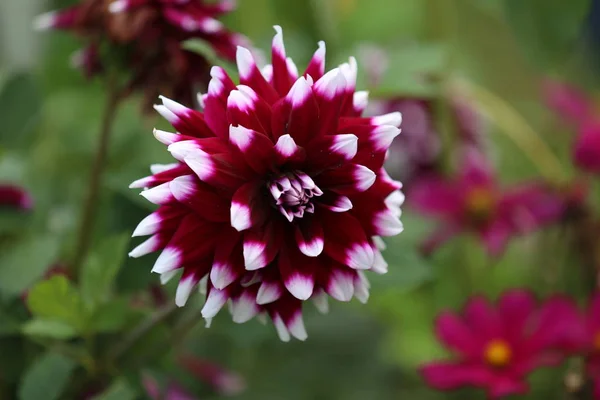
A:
474	202
146	37
580	112
495	348
15	197
278	194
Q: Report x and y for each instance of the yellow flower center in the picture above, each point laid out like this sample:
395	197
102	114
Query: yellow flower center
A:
480	203
498	353
597	342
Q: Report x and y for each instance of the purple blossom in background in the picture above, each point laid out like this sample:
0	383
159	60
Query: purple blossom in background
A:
580	112
473	201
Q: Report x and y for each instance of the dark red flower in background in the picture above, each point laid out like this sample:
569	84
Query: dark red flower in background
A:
581	112
278	194
473	201
15	197
145	37
495	348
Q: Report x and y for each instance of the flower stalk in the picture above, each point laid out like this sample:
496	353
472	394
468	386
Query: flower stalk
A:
86	227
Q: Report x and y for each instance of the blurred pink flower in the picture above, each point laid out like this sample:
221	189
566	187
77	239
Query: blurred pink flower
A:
15	197
415	152
496	347
581	112
174	390
220	379
473	201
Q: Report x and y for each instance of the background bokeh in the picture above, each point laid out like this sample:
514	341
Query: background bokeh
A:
49	116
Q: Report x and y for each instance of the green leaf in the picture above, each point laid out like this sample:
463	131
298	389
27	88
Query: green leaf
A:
57	299
99	272
547	29
20	109
113	316
119	390
207	51
26	263
40	327
46	378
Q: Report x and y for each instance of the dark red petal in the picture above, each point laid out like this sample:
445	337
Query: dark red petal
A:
193	241
256	147
248	209
329	92
297	271
309	236
316	66
261	246
187	121
228	264
215	102
251	76
331	151
281	76
166	218
345	240
201	198
347	179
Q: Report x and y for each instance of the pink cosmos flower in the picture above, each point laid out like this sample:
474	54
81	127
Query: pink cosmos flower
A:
473	201
579	111
278	194
495	348
15	197
146	36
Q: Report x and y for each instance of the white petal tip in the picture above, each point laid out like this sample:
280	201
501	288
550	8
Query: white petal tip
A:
117	6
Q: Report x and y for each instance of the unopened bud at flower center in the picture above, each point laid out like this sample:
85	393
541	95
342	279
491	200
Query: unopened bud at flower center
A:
293	194
498	353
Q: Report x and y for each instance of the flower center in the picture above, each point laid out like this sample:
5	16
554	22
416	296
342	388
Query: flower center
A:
293	193
498	353
596	342
480	202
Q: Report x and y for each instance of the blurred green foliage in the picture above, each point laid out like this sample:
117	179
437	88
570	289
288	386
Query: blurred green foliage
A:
49	115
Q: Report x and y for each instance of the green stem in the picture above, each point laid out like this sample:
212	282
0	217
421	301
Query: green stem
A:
140	331
516	128
86	227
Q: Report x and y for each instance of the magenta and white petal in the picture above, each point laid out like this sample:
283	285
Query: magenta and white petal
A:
310	237
187	283
320	301
361	287
316	66
214	302
286	150
348	179
258	249
168	260
269	291
244	307
160	195
256	147
247	208
346	241
200	198
340	283
387	223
